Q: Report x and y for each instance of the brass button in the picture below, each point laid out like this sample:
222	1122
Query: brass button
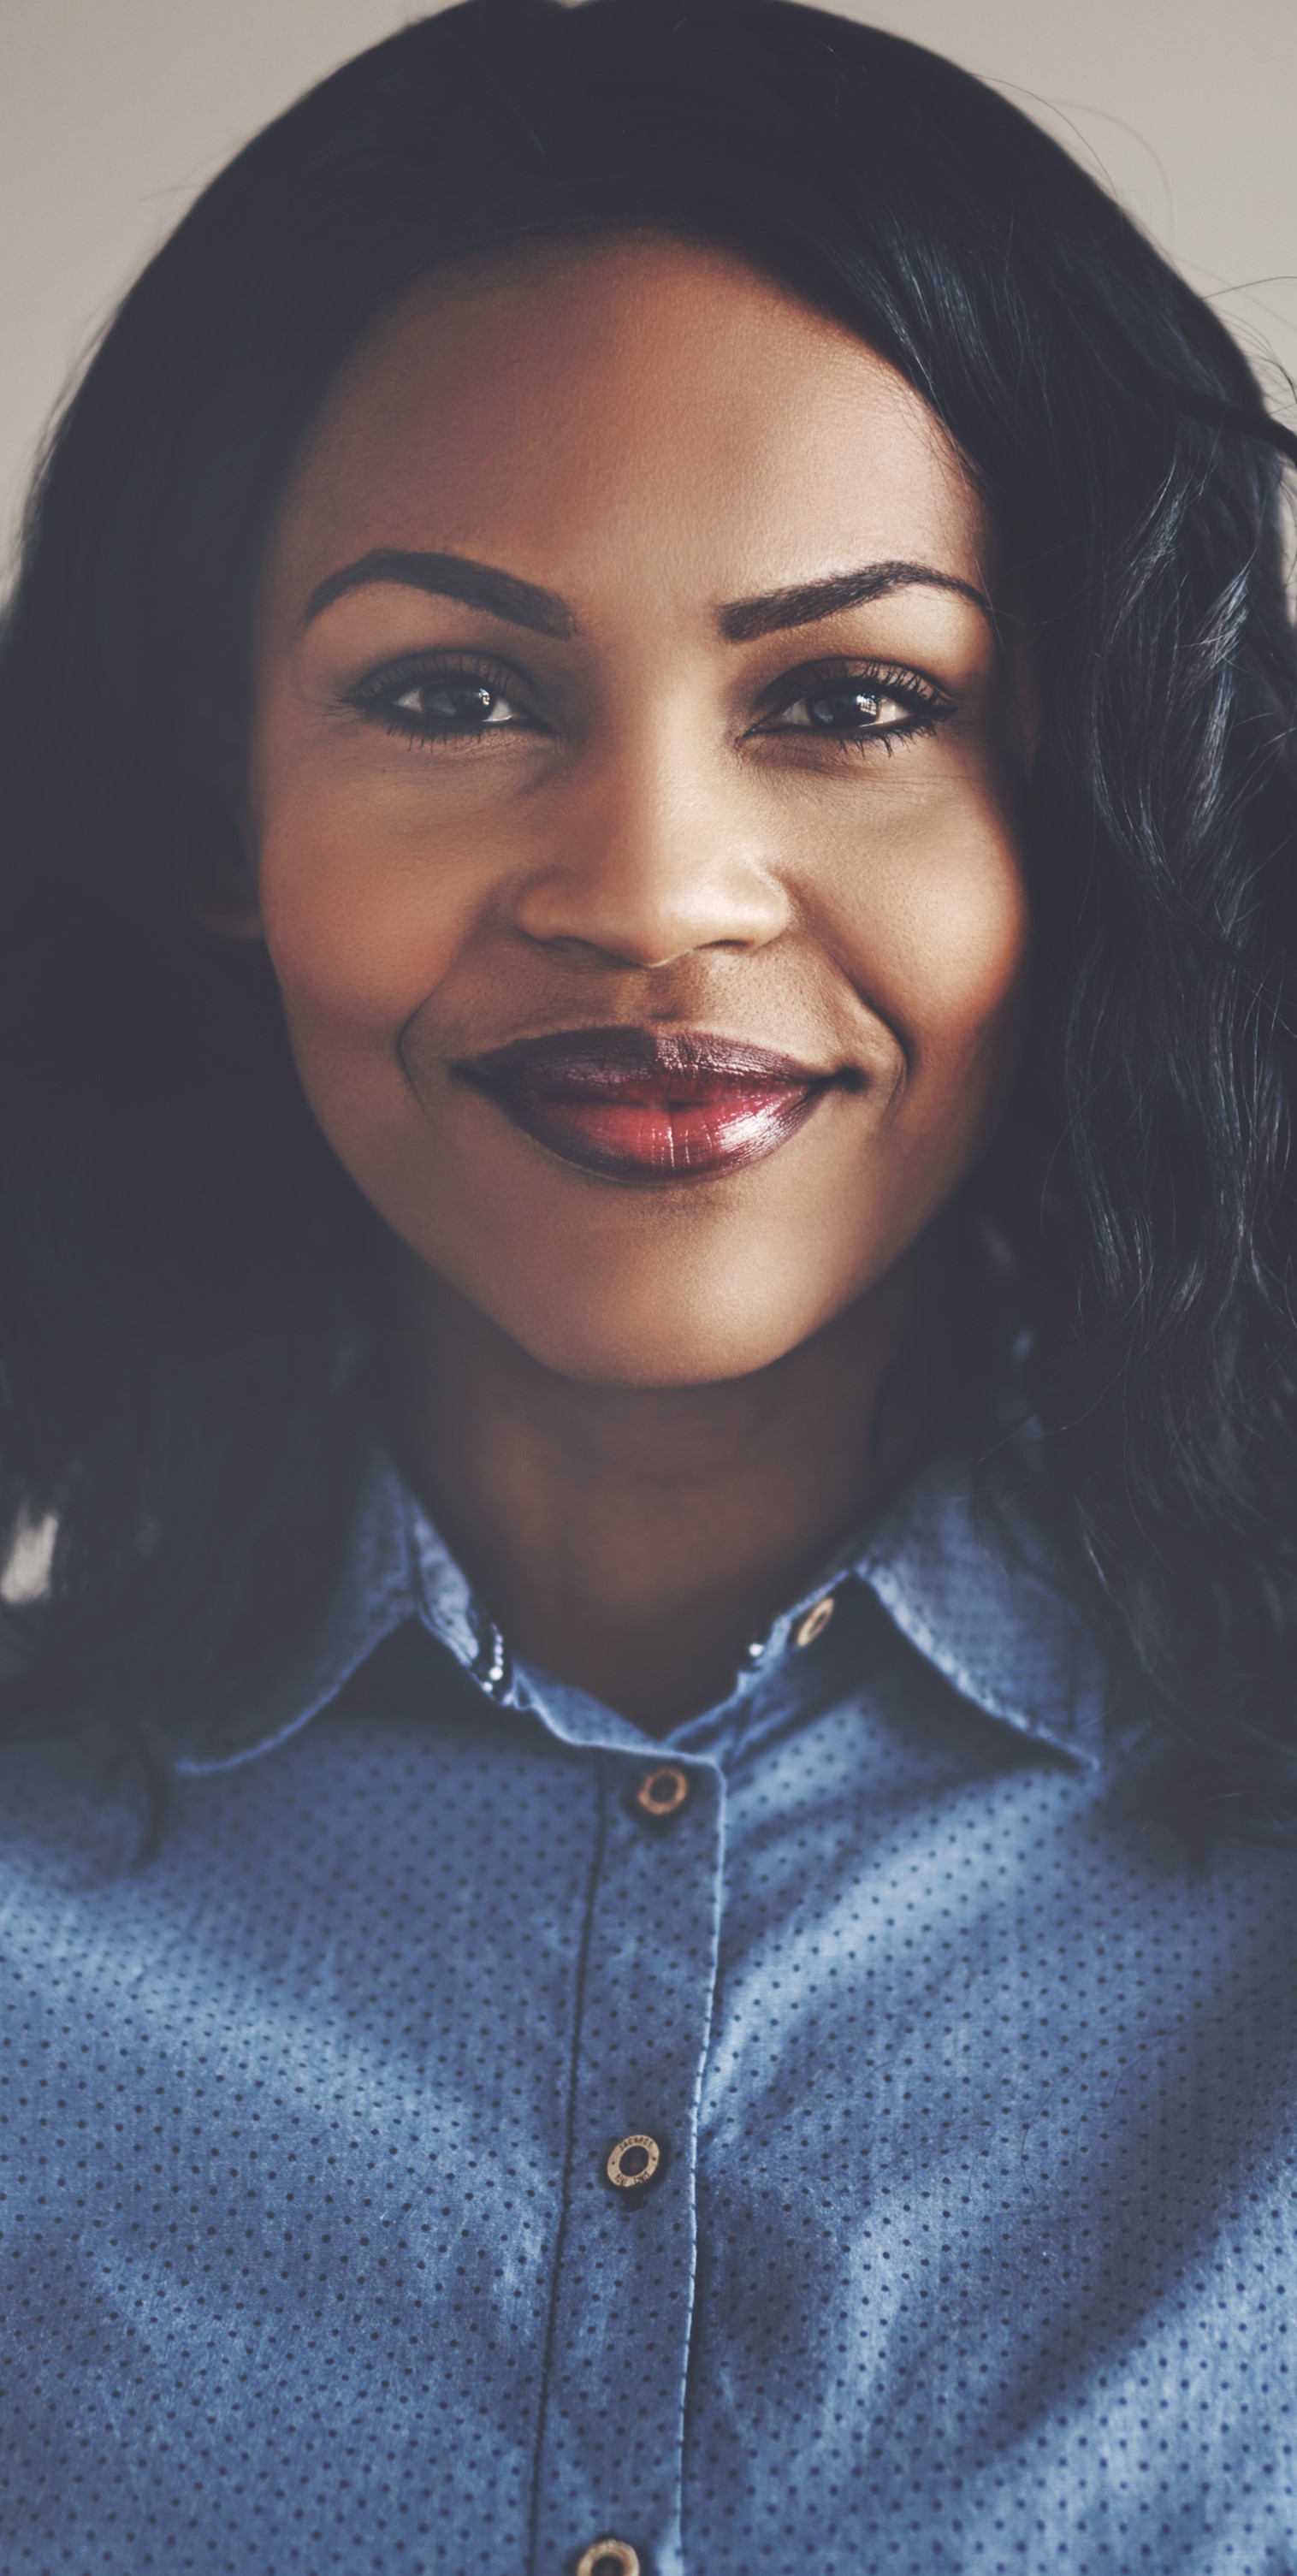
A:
633	2162
663	1790
815	1621
608	2558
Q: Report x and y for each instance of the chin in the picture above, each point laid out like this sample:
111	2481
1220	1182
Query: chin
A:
668	1340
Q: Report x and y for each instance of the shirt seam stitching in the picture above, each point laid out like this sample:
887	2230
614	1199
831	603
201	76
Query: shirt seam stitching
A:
569	2153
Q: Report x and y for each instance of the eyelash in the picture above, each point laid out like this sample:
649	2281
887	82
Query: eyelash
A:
376	698
926	705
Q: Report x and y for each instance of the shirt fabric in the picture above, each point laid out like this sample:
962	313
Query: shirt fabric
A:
970	2248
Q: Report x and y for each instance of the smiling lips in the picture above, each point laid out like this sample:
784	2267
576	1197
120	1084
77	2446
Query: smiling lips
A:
646	1105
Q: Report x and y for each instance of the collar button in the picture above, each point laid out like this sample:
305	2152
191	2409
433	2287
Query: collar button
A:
815	1621
662	1791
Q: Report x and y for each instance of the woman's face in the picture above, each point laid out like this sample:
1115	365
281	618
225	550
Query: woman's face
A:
632	805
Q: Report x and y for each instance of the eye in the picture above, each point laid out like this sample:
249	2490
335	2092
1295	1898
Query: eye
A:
859	707
855	706
444	701
454	706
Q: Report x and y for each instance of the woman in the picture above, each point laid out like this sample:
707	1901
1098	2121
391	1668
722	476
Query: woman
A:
648	1393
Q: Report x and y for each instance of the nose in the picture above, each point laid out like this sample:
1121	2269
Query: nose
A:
649	861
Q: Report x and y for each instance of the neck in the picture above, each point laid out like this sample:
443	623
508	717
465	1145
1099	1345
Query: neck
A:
634	1540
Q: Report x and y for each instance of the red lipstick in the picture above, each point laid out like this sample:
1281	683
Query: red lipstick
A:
649	1105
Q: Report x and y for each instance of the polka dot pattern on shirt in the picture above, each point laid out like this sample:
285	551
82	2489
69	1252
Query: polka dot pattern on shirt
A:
971	2248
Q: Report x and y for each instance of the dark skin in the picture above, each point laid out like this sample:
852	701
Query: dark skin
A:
643	1417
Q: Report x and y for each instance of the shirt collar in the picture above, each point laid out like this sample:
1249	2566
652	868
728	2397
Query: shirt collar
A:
962	1565
970	1583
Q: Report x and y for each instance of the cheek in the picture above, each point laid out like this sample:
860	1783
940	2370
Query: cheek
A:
359	925
937	940
359	929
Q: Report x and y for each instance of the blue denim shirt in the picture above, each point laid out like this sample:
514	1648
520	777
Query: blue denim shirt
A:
959	2233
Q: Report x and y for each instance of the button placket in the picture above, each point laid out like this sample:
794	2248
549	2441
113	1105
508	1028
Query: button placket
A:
624	2292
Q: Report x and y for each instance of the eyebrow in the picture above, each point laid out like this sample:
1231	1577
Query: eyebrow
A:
772	610
524	603
501	594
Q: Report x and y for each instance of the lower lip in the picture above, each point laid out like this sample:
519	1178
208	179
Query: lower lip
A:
638	1132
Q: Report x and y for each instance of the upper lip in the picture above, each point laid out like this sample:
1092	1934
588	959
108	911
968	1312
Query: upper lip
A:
593	1060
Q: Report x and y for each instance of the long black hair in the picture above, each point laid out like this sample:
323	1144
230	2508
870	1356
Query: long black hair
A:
184	1271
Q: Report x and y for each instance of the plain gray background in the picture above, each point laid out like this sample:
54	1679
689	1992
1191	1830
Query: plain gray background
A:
114	112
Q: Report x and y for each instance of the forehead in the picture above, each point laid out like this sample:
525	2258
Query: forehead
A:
567	406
